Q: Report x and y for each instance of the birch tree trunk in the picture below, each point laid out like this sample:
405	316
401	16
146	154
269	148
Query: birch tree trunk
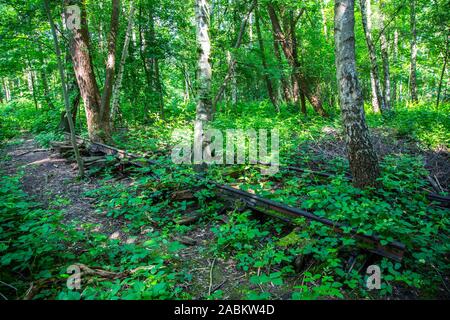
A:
118	83
204	103
395	61
385	59
6	89
362	158
373	57
204	67
413	72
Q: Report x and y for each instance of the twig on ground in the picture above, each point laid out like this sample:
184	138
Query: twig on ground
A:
31	151
211	276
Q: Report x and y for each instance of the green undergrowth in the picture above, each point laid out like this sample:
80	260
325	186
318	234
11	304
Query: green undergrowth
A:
37	249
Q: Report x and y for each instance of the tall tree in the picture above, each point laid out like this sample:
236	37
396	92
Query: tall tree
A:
413	71
97	108
118	83
232	63
444	68
267	79
204	102
373	57
312	93
385	60
64	90
362	158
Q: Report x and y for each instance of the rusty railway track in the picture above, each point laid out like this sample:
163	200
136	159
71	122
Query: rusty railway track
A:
393	250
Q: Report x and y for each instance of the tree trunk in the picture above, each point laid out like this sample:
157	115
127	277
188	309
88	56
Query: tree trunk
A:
313	95
232	64
105	107
385	60
362	158
97	108
324	20
372	55
6	89
267	79
44	80
64	90
444	68
118	83
204	103
284	82
204	67
31	84
395	61
413	72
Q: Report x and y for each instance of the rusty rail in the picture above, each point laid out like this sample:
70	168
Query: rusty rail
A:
372	243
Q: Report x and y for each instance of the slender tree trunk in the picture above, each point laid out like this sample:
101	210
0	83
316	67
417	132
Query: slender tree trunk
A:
284	82
372	55
6	89
105	107
395	61
204	103
204	65
324	20
385	59
444	68
118	83
159	88
44	80
362	158
413	72
386	73
313	95
64	90
31	84
232	64
267	79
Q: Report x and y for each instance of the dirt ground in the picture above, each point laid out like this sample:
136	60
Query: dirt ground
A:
52	181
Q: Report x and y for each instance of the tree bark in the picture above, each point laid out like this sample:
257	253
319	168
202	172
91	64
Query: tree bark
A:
155	64
105	107
313	95
44	80
444	68
395	61
204	103
284	82
97	108
362	158
262	53
372	55
232	64
118	83
413	72
385	60
64	90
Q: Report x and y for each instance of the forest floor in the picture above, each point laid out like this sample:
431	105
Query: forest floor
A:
216	253
52	181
